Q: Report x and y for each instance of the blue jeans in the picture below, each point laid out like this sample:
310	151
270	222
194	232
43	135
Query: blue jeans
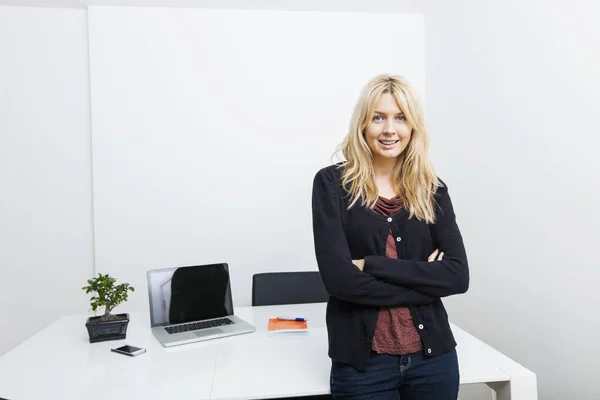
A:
407	377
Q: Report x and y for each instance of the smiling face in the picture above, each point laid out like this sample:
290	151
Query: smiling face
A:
387	133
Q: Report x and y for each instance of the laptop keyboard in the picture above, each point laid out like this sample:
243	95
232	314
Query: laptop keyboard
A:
194	326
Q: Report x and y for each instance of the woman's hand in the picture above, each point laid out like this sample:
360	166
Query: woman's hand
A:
435	257
360	264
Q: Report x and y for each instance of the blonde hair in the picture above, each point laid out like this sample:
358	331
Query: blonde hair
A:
415	180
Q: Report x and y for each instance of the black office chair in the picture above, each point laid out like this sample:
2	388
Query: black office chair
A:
274	288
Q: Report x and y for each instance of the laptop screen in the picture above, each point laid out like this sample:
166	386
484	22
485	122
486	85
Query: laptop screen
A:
189	294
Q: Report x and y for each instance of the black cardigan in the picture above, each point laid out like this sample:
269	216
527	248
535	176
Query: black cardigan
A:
341	235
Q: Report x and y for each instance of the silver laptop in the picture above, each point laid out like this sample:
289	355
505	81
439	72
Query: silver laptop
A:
190	304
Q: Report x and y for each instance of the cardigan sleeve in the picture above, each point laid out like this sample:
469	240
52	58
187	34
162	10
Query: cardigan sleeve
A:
437	278
342	279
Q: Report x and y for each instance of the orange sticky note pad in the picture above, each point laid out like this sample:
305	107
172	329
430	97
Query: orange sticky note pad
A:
280	326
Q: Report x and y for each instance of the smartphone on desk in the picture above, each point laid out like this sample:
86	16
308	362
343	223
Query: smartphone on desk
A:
130	351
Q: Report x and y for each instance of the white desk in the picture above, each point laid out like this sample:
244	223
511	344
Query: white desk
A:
60	363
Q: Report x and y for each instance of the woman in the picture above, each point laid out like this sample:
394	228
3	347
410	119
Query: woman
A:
388	249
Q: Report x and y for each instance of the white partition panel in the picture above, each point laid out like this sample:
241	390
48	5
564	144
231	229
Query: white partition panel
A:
209	125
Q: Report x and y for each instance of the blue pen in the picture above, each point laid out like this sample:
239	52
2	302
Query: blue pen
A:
291	319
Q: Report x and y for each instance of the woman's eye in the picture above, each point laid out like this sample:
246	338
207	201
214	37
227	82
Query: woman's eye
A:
377	118
401	118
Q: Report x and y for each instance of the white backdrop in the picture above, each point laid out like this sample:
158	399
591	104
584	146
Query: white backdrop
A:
45	169
209	125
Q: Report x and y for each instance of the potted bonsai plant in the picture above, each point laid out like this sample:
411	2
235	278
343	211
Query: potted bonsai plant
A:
108	295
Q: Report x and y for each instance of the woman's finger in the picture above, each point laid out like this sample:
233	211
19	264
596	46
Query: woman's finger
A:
432	256
441	256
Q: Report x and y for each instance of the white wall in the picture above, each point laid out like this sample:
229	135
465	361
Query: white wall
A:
513	90
208	127
45	169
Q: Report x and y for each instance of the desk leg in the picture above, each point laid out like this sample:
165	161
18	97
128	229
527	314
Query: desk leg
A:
518	388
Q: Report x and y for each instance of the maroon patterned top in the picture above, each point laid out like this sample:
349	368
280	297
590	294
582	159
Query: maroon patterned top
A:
395	331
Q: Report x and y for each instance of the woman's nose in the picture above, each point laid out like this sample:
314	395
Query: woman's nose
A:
389	127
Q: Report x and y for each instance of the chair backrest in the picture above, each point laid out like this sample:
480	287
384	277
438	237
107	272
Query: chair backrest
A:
271	288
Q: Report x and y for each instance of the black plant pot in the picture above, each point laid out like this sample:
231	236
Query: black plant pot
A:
100	331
